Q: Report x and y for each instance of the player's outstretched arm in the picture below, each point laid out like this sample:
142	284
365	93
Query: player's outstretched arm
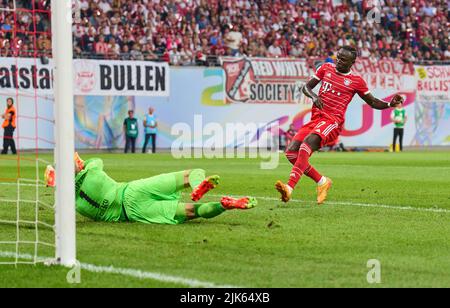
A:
308	91
379	104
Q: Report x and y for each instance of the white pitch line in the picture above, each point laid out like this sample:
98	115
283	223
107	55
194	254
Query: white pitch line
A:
383	206
130	273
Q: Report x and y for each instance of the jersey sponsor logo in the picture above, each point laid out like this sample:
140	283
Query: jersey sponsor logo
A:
326	87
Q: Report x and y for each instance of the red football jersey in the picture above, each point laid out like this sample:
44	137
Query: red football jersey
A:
337	92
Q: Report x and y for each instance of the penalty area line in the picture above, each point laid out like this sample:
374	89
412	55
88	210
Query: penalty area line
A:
134	273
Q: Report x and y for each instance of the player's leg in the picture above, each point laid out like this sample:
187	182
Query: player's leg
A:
201	185
310	143
9	140
197	180
153	143
5	146
127	144
401	132
189	178
394	142
13	144
292	151
13	147
147	137
319	133
189	211
168	186
141	209
292	155
133	145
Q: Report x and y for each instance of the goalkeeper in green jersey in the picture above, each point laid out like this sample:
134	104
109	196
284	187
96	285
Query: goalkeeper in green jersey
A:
151	200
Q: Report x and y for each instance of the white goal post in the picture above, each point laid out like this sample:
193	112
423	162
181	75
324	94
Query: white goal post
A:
64	132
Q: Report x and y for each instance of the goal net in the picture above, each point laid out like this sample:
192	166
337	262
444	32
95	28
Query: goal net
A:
36	222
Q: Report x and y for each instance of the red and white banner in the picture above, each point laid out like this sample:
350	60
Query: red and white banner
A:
386	74
433	83
264	80
136	78
27	76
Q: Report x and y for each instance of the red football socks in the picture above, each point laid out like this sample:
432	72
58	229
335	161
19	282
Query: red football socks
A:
301	165
313	174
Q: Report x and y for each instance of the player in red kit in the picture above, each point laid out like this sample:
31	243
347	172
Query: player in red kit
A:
339	85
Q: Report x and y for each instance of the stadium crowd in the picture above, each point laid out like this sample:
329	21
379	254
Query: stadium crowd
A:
190	32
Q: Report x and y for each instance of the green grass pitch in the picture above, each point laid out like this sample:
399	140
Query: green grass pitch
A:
382	206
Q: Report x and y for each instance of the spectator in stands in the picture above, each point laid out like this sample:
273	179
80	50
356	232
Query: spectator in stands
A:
447	53
186	57
274	50
125	54
136	53
113	49
44	45
296	50
330	58
101	47
297	25
233	39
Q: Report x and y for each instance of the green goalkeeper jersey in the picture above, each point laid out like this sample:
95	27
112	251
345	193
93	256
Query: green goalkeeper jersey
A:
97	196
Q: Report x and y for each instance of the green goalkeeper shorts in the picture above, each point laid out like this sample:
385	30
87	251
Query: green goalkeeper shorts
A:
153	200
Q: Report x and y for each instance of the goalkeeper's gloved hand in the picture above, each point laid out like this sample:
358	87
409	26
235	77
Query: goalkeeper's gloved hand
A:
49	176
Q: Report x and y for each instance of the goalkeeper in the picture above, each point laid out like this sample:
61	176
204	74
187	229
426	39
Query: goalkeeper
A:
151	200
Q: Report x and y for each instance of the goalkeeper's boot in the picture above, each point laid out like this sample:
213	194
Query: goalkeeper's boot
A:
285	191
246	203
322	191
49	176
208	184
78	162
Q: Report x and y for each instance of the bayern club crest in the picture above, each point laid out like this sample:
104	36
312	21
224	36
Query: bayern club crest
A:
347	82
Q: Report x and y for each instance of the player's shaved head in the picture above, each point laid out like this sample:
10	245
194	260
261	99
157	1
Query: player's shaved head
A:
345	59
351	50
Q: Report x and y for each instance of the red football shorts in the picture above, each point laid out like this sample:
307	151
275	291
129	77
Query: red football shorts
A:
327	129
